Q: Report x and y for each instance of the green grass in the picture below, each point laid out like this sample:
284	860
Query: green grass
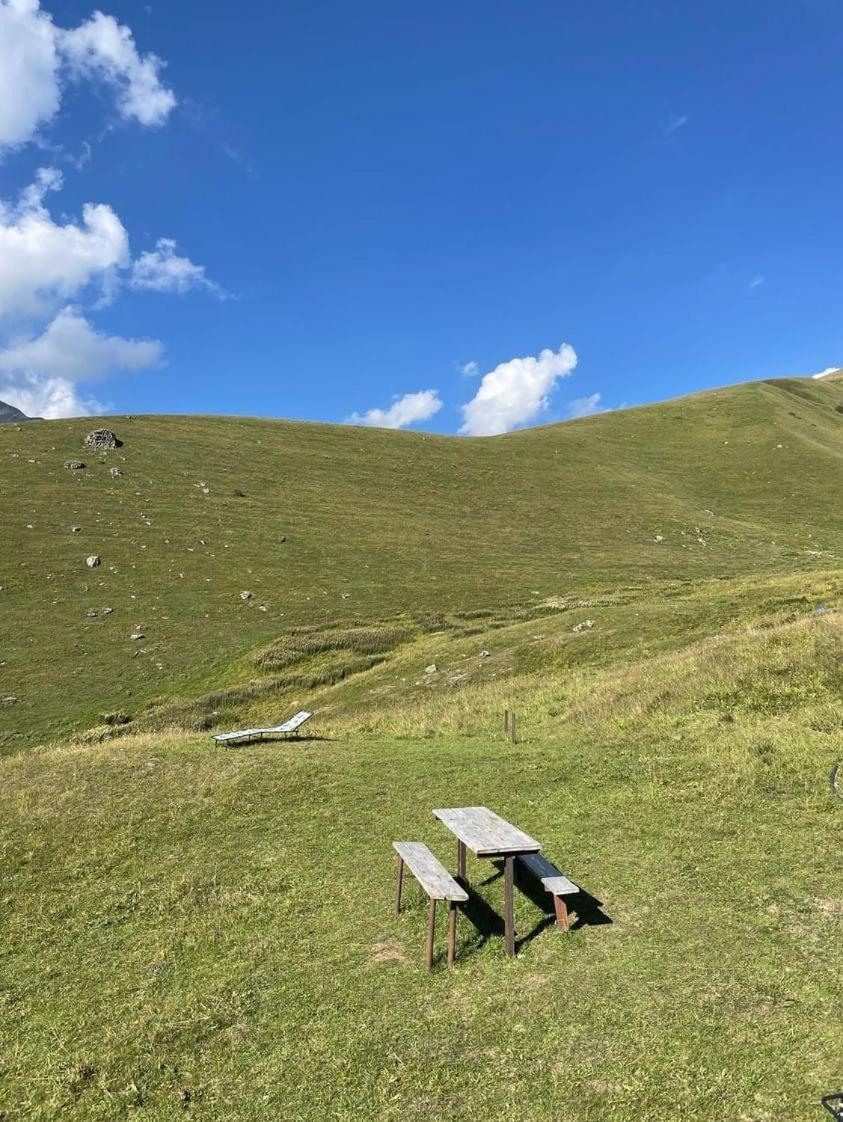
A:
191	931
734	482
178	918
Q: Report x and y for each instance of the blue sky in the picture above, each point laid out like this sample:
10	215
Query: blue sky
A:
367	199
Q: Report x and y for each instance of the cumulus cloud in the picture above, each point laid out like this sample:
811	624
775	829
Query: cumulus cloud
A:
162	270
44	263
40	375
406	410
469	369
104	50
516	392
36	56
29	87
585	406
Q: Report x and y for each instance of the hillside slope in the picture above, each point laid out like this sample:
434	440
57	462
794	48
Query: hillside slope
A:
323	524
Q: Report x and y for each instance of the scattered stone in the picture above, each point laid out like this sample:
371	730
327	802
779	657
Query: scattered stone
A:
659	538
485	654
346	595
102	438
262	608
116	473
586	625
76	529
203	487
8	702
245	596
430	669
136	635
238	494
283	538
107	611
821	609
92	615
74	465
93	561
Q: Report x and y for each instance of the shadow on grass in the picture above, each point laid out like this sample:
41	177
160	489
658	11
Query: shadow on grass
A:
266	742
587	909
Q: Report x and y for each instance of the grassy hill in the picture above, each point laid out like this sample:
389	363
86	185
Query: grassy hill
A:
192	932
327	525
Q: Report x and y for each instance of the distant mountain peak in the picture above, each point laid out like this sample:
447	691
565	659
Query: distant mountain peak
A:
9	414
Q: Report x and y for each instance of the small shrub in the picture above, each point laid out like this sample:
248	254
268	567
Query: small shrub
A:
118	718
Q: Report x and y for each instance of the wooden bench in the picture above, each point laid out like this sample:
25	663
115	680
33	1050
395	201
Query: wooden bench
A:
437	882
554	882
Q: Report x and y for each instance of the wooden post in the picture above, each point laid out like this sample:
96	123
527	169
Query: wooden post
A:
400	883
452	933
431	927
506	723
461	859
513	734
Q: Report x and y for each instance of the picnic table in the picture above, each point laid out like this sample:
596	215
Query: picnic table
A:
486	834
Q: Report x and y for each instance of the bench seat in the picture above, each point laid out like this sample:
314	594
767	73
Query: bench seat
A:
435	880
554	882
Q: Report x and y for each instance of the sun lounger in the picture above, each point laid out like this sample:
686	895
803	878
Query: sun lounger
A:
289	728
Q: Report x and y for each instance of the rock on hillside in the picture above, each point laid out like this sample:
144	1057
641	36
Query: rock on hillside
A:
10	415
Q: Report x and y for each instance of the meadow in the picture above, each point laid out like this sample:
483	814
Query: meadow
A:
187	930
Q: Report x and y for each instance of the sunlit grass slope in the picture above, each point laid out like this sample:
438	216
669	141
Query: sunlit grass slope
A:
325	524
194	932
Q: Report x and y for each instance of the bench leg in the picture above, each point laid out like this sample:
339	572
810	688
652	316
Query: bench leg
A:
508	917
400	884
561	913
461	859
431	927
452	932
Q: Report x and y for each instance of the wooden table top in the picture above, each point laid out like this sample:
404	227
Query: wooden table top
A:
485	833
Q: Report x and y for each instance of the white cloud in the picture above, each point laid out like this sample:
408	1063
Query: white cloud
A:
675	124
103	49
42	263
40	375
757	281
36	56
469	369
828	371
47	397
585	406
162	270
29	87
406	410
516	392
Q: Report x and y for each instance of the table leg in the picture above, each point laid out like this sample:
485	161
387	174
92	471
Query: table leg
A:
461	859
509	922
400	884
